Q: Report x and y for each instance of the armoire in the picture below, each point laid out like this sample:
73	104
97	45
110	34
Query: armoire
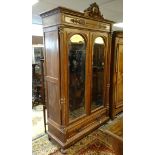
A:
77	72
116	75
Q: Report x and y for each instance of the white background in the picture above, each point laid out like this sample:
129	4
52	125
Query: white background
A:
15	77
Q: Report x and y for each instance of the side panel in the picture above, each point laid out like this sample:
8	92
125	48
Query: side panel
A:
116	89
52	75
119	77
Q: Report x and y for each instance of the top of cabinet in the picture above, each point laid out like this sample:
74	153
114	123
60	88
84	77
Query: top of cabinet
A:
92	12
91	18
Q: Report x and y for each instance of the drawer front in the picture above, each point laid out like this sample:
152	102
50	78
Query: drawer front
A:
82	126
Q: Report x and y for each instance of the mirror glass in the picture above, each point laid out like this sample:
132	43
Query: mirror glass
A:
77	59
97	73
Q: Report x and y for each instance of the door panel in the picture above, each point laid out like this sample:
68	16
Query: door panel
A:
98	70
77	73
76	68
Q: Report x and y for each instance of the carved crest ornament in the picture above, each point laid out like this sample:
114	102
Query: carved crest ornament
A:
93	11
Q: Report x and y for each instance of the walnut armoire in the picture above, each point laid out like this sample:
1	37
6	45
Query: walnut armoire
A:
77	72
116	89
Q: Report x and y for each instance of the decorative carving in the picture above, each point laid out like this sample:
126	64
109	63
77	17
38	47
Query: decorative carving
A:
93	11
60	30
78	21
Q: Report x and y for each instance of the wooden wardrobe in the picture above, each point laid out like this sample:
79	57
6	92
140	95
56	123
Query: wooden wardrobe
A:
77	72
116	89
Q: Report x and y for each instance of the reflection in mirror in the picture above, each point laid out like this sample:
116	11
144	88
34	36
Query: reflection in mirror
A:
77	54
97	73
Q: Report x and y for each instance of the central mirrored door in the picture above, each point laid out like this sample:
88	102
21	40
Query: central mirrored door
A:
77	61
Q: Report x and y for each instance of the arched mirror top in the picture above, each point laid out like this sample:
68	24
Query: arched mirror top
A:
99	40
77	38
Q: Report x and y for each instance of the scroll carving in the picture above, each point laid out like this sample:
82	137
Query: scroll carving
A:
93	11
78	21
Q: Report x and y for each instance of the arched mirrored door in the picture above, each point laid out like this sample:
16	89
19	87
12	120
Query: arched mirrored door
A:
97	96
77	59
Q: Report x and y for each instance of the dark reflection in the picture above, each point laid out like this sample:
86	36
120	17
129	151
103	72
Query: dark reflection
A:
77	49
98	70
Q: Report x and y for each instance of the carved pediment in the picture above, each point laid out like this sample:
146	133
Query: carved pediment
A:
93	11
